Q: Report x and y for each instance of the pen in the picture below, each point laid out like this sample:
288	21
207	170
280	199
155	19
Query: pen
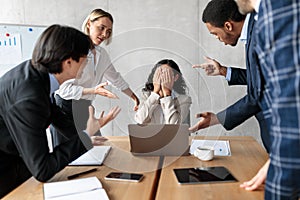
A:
82	173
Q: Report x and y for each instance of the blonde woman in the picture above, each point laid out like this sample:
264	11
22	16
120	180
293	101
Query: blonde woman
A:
80	92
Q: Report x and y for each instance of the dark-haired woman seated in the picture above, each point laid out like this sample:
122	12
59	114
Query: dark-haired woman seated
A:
164	99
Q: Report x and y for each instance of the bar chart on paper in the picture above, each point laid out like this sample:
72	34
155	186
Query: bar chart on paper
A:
9	41
16	44
10	48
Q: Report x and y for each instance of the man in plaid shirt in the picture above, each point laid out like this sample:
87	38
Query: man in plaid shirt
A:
278	49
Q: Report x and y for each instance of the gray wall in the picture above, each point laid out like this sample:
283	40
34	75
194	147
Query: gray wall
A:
145	32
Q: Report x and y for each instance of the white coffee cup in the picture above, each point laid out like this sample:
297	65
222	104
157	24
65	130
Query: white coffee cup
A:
204	153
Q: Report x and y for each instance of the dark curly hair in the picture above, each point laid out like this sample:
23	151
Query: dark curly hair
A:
179	85
217	12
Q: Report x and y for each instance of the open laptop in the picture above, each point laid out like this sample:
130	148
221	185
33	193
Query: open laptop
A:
159	139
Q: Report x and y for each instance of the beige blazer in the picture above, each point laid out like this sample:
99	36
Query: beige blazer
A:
174	109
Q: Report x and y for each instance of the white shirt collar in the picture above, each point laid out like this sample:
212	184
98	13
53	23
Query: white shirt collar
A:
256	8
243	36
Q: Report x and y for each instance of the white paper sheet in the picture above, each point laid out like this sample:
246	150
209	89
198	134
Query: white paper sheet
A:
98	194
221	147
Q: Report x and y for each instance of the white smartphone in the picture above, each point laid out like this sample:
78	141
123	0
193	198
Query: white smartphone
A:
121	176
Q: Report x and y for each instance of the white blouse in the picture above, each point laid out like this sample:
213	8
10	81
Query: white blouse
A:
98	66
167	110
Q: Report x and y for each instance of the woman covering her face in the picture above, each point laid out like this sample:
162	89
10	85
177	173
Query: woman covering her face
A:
164	99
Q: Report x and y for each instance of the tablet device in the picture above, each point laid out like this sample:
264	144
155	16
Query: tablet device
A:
204	175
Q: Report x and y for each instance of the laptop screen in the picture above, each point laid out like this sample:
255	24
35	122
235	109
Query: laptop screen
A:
159	139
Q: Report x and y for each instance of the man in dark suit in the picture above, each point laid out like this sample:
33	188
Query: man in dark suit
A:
223	20
27	109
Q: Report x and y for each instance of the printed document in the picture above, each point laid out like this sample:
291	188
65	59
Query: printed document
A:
221	147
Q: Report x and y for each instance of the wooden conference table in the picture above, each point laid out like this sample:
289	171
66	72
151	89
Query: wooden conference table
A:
247	157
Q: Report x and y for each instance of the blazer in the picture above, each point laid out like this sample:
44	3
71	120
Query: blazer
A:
249	105
167	110
25	113
238	77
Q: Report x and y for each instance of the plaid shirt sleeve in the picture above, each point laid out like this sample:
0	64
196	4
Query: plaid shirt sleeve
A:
278	49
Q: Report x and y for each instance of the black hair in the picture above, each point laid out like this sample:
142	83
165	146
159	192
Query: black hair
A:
58	43
217	12
179	85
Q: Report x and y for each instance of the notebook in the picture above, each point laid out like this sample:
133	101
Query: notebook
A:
159	139
94	156
85	188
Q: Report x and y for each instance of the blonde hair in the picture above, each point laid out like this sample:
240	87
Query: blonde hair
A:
94	16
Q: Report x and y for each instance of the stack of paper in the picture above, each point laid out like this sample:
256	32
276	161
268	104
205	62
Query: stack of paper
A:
221	147
85	188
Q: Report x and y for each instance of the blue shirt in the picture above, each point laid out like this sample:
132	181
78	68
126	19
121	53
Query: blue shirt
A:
278	49
54	84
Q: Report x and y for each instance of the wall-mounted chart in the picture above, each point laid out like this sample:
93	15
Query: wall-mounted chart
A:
10	49
16	44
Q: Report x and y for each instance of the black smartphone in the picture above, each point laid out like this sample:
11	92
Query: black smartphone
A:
121	176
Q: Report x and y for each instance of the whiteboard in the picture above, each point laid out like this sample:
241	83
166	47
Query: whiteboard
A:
16	44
